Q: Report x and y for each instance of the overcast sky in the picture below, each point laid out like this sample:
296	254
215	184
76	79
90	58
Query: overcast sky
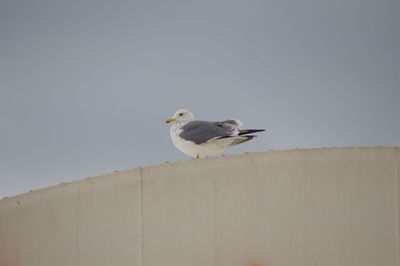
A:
85	86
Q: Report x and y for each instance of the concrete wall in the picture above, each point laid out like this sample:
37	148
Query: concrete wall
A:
337	206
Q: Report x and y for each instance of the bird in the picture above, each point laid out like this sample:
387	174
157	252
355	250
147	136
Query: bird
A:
200	139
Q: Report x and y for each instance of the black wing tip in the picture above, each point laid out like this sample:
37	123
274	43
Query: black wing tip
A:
249	131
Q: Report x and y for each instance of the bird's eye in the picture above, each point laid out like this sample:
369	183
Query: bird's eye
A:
181	114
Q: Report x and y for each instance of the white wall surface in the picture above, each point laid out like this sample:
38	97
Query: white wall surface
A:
330	206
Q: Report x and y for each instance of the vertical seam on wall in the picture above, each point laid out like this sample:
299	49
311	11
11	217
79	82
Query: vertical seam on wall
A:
78	198
141	215
352	226
17	222
306	192
215	220
396	203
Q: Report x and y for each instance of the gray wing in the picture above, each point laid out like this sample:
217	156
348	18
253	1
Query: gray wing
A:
203	131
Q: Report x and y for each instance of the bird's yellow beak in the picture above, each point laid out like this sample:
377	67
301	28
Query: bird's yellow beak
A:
169	120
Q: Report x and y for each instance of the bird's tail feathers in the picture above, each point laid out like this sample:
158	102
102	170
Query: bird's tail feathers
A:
240	139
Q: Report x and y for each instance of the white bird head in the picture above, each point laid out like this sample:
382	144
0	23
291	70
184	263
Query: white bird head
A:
181	115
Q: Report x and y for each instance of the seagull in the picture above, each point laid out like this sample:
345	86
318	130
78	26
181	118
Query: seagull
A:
202	138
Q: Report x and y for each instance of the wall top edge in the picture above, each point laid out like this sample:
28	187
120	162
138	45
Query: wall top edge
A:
139	170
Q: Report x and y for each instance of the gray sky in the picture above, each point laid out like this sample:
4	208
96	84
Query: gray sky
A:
86	85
